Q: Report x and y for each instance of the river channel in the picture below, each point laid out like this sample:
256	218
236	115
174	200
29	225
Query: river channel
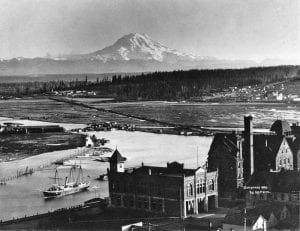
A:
23	196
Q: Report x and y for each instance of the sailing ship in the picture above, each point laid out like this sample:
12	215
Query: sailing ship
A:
73	183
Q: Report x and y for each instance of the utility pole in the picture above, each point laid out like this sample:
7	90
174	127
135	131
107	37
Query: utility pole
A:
180	204
245	220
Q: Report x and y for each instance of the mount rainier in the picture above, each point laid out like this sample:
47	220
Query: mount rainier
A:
131	53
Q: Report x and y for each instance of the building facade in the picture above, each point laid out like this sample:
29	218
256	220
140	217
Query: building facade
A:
171	190
238	156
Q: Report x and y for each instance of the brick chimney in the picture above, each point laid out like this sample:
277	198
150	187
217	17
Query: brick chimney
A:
248	135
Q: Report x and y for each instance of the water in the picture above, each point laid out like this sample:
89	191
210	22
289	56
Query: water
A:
22	196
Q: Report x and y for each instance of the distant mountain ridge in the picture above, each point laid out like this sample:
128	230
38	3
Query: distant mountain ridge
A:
131	53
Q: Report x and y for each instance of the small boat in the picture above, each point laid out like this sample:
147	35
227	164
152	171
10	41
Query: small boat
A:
103	177
72	184
102	159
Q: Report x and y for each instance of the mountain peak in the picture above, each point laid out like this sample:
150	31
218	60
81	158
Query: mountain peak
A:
134	40
136	46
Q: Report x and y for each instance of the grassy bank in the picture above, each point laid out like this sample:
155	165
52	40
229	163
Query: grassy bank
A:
16	146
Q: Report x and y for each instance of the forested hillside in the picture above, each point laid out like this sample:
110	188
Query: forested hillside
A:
161	85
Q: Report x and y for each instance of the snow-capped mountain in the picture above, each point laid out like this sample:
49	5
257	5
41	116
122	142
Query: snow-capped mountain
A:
136	46
131	53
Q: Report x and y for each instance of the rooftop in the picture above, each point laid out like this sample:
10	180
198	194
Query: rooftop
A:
237	217
281	127
116	157
284	181
173	168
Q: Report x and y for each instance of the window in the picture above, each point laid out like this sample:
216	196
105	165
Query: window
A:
261	196
159	205
130	187
146	204
144	188
131	201
211	185
203	186
282	196
139	202
159	190
153	204
191	189
187	191
126	201
138	187
198	187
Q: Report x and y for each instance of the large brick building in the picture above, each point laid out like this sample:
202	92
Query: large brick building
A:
171	190
238	156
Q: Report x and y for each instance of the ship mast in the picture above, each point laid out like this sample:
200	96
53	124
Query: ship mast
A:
56	180
80	175
56	177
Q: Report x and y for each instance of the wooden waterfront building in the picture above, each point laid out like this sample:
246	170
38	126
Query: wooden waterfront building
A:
171	190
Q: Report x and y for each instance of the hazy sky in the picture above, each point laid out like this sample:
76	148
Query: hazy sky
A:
250	29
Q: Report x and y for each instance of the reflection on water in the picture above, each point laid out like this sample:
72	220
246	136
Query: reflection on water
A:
23	196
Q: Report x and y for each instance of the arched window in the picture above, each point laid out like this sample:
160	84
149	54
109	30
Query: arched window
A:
202	186
211	185
198	186
187	190
191	189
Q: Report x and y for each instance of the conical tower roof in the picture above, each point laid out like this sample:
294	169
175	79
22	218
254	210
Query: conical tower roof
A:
116	157
281	127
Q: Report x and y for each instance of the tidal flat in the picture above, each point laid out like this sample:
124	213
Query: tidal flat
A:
201	114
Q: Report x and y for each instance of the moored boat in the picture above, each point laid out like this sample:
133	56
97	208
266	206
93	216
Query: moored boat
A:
73	184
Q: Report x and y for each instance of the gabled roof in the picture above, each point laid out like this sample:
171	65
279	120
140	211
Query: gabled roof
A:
259	179
237	217
294	143
265	148
227	140
116	157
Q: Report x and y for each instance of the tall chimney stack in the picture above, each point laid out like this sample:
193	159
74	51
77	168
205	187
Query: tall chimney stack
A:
248	123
